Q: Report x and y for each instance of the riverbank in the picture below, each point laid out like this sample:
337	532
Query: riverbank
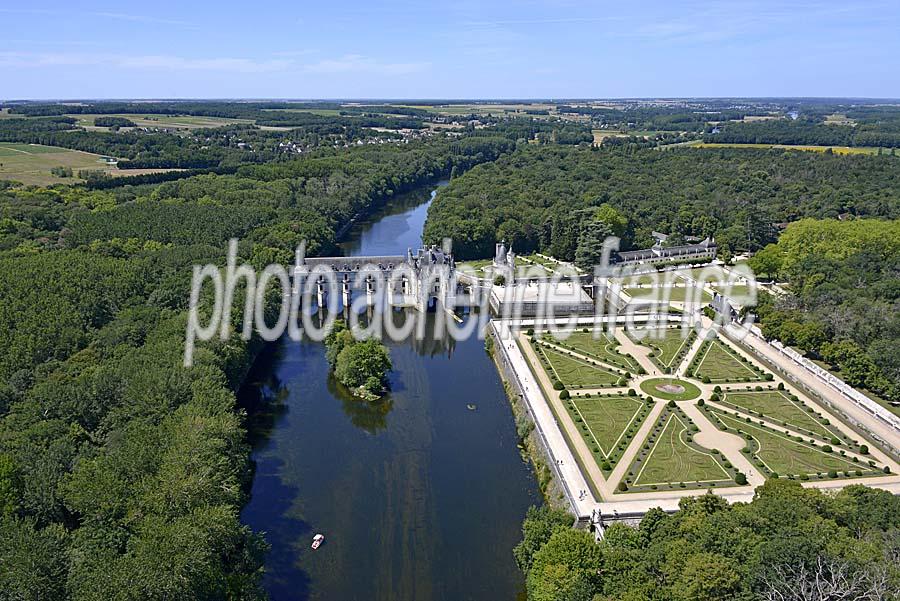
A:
400	486
532	445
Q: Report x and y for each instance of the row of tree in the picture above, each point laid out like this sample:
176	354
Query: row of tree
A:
788	544
809	131
122	473
844	301
543	197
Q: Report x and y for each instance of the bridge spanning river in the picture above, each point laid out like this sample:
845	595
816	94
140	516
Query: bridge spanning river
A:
418	280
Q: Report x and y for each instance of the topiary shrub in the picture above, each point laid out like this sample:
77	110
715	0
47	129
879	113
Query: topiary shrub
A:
557	385
622	487
740	478
864	449
564	394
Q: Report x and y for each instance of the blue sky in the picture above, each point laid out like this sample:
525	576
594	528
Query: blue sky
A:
460	49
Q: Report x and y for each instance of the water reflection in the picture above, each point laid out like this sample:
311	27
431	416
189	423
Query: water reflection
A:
370	416
419	497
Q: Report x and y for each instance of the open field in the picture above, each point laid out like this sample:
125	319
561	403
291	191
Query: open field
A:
606	420
777	406
31	164
549	265
786	456
674	294
484	109
710	273
575	373
321	112
601	134
721	364
838	119
739	293
476	265
602	348
810	148
668	345
167	121
673	459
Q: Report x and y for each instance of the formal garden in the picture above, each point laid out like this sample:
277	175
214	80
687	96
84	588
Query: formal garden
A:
671	459
717	362
669	346
636	428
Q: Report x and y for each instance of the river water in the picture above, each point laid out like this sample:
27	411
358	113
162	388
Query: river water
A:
420	495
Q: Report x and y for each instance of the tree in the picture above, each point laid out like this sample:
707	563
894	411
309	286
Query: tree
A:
707	577
359	362
539	525
566	568
767	261
612	217
590	244
34	560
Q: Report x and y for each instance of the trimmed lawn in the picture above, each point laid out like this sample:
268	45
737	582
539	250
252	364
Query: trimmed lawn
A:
672	459
690	391
778	406
574	372
671	294
607	419
710	273
602	349
667	344
721	364
786	456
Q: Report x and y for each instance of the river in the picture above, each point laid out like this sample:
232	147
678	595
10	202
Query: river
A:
420	495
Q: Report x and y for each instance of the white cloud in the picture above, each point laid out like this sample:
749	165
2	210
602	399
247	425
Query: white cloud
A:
357	63
142	19
283	61
164	62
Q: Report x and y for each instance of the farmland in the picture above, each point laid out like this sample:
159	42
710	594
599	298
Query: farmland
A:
179	122
810	148
31	164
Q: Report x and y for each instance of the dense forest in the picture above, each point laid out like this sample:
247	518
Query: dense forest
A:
122	473
883	130
844	301
231	145
544	198
789	544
